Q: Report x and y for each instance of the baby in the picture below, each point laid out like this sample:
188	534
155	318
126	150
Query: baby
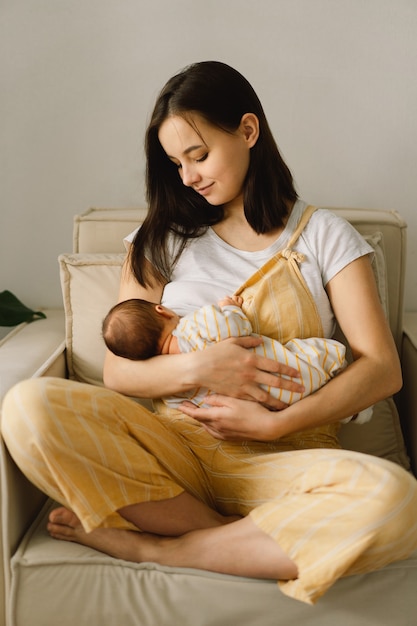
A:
137	329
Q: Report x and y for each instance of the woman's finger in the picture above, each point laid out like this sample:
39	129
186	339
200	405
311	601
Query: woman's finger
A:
264	363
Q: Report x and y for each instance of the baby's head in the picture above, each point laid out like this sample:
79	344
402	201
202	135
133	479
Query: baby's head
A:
133	329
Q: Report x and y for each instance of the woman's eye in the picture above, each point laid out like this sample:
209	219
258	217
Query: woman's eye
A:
203	158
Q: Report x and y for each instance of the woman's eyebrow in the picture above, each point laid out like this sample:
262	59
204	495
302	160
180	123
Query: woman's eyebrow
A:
191	148
188	150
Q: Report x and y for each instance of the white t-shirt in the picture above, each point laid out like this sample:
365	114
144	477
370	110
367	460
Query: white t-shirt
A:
209	268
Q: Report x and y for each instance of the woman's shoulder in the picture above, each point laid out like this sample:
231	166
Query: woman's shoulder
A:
324	225
320	217
333	241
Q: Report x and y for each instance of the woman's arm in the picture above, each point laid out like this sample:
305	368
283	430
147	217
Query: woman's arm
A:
226	367
374	374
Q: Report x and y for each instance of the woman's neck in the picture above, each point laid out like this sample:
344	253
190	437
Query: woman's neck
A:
235	230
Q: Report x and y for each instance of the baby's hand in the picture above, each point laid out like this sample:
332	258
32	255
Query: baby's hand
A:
231	301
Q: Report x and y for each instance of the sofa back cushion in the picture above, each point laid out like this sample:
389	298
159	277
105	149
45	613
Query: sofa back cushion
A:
90	284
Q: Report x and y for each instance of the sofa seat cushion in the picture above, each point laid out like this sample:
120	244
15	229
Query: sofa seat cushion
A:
56	582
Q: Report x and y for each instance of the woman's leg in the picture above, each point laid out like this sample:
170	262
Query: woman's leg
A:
100	454
91	449
238	548
315	515
346	513
341	513
330	512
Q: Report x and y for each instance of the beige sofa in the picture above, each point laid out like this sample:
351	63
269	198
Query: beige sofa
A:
51	583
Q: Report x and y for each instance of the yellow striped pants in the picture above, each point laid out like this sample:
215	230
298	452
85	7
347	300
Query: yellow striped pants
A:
334	512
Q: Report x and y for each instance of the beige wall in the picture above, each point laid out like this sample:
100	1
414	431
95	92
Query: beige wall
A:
78	79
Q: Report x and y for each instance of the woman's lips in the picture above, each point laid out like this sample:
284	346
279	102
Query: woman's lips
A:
204	190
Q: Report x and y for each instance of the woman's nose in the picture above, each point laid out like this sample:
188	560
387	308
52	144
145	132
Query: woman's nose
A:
189	175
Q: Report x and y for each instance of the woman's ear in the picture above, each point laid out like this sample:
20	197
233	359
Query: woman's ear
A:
249	126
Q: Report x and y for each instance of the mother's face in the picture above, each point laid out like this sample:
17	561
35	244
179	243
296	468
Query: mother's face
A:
210	160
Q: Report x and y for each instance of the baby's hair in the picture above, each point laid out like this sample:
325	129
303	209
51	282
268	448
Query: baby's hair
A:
132	329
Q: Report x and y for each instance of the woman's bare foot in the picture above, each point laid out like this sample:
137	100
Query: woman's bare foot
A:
169	518
122	544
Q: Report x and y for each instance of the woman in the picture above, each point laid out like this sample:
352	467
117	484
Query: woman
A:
199	484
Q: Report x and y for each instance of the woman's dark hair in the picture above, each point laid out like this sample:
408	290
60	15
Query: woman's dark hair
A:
221	96
132	329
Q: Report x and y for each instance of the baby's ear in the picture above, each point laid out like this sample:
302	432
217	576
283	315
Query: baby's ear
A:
161	310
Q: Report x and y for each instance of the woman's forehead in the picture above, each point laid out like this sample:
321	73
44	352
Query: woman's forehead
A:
180	136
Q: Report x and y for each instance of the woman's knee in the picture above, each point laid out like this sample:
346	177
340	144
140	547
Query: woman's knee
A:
400	493
27	414
361	478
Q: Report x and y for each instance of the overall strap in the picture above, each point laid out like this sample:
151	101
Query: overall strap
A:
301	224
276	298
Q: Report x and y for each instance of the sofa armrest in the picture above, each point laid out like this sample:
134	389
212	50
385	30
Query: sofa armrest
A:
408	396
28	351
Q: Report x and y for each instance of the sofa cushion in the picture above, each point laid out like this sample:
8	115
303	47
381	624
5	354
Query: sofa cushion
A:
90	284
376	240
102	230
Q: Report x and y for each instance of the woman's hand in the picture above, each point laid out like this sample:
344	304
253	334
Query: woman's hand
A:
233	419
231	368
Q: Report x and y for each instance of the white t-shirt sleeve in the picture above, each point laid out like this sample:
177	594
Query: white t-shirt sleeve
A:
334	242
129	239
